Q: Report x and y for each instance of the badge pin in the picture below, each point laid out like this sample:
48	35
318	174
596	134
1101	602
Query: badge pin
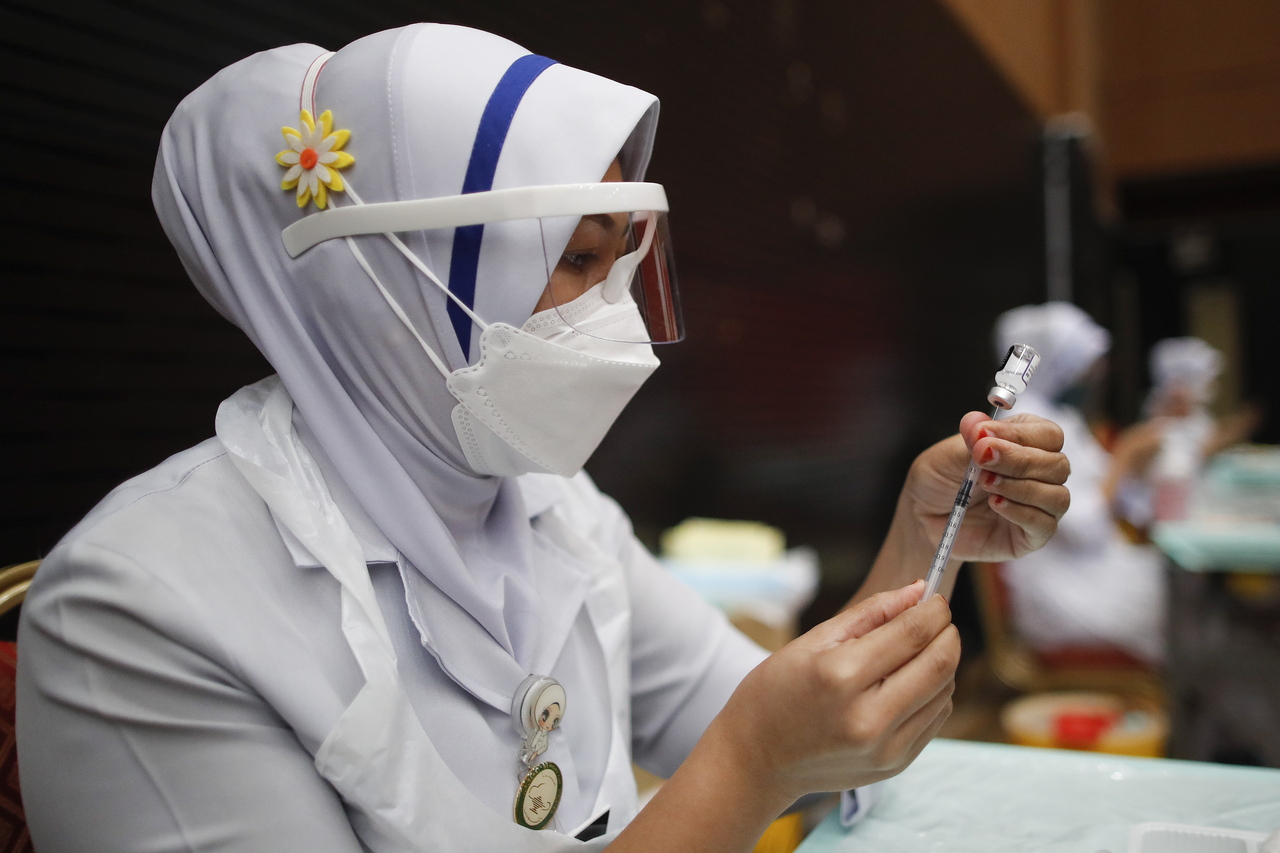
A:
537	709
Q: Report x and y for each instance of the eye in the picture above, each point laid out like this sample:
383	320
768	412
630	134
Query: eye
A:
577	260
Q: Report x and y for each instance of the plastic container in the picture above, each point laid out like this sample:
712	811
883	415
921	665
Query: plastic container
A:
1179	838
1173	498
1096	722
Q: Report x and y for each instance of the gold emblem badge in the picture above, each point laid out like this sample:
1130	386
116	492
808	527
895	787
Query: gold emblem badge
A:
539	796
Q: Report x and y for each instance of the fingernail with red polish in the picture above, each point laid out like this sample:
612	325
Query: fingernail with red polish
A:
990	456
998	500
990	478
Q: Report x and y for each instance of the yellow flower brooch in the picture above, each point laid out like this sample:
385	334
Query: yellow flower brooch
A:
313	159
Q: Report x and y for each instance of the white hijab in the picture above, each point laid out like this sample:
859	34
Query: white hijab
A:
412	99
1184	362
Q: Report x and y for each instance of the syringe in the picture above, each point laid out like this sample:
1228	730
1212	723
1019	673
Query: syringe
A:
1011	380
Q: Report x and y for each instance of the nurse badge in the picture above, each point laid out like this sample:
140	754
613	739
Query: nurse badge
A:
537	709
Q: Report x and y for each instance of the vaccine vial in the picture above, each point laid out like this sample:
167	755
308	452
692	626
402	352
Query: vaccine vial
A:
1012	377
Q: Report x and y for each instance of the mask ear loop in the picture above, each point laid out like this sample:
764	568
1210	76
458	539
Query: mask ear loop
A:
307	96
625	267
395	306
307	99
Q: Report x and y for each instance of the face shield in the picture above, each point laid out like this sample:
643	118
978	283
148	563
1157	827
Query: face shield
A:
617	256
614	279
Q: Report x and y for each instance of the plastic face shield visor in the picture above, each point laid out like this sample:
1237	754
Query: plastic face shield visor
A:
620	245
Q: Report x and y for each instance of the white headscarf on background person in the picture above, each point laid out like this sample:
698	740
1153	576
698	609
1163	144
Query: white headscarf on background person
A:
412	99
1067	338
1188	363
1087	585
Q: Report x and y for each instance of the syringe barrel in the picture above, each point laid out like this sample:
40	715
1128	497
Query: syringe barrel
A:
1014	374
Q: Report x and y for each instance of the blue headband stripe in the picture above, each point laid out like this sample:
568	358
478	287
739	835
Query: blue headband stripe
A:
490	137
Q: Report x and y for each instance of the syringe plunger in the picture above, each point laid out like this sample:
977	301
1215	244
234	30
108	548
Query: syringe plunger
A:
1012	377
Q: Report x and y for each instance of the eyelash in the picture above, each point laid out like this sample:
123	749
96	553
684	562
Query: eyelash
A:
578	259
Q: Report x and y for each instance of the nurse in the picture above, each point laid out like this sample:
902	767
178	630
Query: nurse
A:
1156	461
384	609
1089	586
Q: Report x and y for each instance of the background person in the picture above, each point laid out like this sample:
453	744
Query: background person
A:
1089	586
1156	461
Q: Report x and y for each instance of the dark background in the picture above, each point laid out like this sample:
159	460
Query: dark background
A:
855	195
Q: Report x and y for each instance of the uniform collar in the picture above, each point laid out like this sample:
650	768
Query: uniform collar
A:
540	491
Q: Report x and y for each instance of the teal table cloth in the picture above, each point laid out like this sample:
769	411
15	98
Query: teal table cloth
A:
966	797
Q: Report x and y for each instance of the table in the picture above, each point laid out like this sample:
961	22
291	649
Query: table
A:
1233	521
961	796
1207	546
1223	672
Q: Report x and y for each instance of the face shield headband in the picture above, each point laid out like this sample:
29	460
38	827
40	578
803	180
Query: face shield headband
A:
640	272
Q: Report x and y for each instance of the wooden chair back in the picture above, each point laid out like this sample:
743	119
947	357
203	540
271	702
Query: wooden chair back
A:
1019	666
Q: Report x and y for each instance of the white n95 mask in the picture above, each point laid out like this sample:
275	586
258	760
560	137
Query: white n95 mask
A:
542	397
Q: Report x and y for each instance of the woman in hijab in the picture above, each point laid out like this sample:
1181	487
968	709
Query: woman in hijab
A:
1088	587
383	609
1156	461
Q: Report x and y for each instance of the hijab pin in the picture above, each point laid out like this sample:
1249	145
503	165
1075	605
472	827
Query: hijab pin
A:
313	159
536	709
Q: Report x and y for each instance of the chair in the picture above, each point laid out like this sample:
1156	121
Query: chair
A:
14	581
14	837
1103	668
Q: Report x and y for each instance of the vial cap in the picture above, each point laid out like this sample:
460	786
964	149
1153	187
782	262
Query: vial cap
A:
1001	397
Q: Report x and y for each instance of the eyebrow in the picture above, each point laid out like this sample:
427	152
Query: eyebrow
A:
604	220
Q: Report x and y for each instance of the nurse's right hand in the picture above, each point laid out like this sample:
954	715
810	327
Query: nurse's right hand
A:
852	701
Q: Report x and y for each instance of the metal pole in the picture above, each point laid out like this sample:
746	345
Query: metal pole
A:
1057	210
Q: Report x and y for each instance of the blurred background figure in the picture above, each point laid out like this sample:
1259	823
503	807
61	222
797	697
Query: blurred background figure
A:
1089	587
1155	462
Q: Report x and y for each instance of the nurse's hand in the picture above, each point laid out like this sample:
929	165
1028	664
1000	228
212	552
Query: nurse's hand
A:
1020	493
849	703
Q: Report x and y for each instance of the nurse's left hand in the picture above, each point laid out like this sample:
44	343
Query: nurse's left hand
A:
1020	493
